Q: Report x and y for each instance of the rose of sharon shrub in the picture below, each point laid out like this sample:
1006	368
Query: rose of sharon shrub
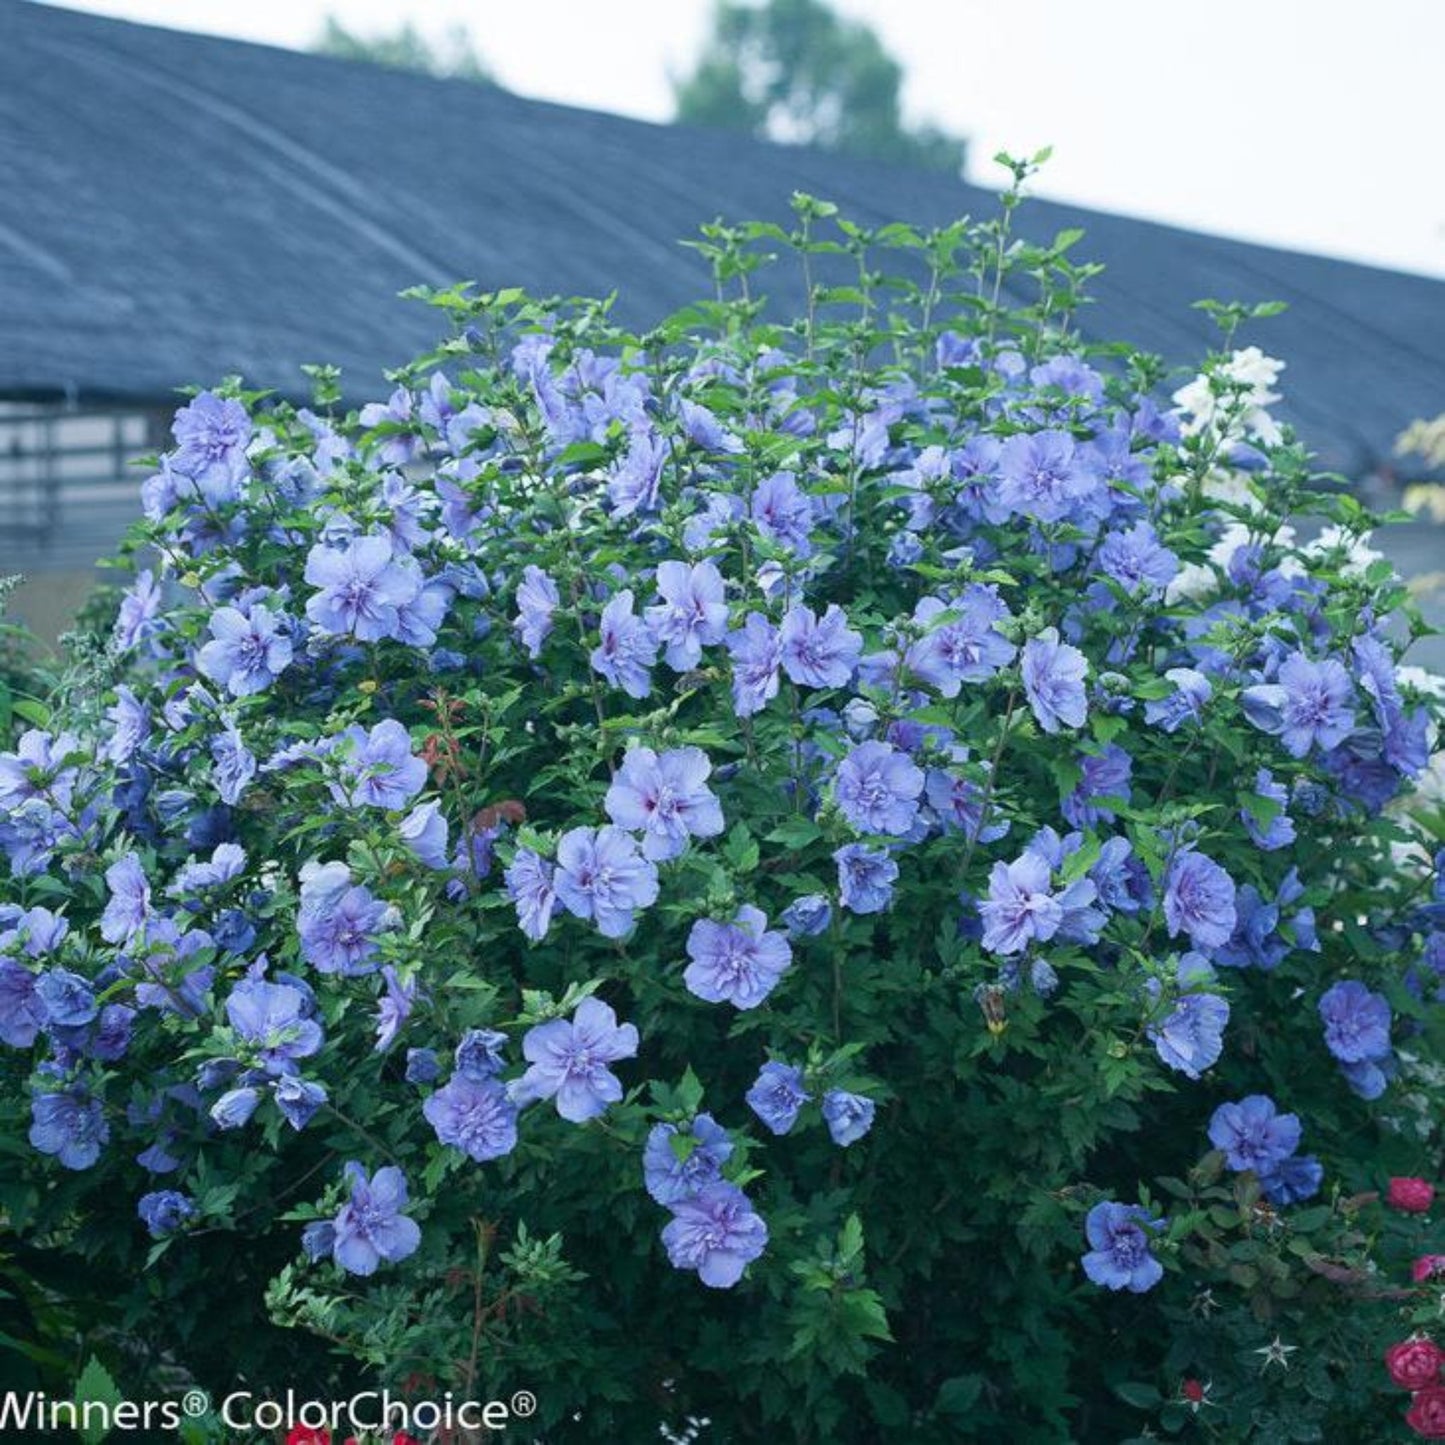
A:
847	878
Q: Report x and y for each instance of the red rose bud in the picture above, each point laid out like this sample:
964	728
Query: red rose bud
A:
1426	1415
1193	1391
1413	1196
1428	1266
307	1435
1413	1364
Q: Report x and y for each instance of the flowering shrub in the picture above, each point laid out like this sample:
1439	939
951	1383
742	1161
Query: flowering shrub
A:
841	877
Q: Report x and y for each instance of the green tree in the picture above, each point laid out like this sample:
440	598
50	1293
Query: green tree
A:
792	70
407	49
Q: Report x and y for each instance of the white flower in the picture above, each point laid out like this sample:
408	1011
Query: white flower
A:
1236	415
1430	785
1232	488
1192	583
1421	680
1237	535
1358	552
1198	402
1252	368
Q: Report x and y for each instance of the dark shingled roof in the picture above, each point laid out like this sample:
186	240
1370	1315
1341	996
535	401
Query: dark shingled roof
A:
174	207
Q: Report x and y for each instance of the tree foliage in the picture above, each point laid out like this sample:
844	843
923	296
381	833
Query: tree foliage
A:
454	57
792	70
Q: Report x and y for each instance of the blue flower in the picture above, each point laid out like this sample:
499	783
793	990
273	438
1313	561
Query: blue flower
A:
665	798
757	653
777	1096
784	513
362	588
71	1125
211	435
1022	909
338	923
130	900
628	648
602	876
129	722
568	1061
479	1054
962	642
394	1006
958	803
1292	1180
808	916
1185	704
1369	1078
378	768
1042	476
848	1116
1105	774
22	1015
1053	676
371	1227
635	479
1257	941
1121	1247
1199	899
877	788
235	765
818	652
1309	704
1279	832
674	1171
474	1114
1138	560
297	1099
165	1211
691	614
274	1018
704	430
531	887
422	1066
68	1000
865	878
226	863
424	830
396	447
738	962
37	771
235	1107
537	600
716	1233
1357	1022
1190	1038
1253	1135
248	650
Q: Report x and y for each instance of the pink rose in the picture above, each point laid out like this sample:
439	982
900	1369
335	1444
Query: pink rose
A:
1428	1266
1415	1363
1414	1196
1426	1415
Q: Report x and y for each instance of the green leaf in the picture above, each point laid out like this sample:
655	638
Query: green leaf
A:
96	1386
35	713
795	833
1141	1396
959	1395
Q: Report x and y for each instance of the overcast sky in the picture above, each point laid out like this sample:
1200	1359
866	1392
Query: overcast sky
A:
1314	124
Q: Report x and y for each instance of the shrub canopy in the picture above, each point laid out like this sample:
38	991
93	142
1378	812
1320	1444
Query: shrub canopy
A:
855	878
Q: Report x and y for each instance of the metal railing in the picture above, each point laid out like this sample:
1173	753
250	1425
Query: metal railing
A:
68	483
